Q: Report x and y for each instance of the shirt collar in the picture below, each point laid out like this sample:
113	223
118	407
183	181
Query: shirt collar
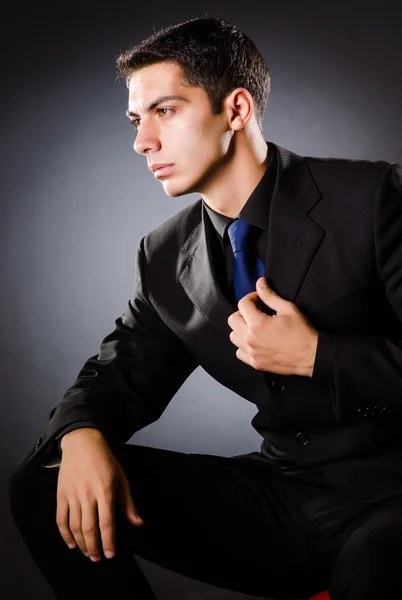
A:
256	209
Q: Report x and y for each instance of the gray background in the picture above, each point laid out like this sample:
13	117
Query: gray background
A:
76	200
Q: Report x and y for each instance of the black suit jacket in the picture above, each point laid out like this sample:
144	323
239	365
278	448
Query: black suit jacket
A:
335	249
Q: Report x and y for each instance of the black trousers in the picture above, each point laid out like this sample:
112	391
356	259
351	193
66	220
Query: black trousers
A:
232	522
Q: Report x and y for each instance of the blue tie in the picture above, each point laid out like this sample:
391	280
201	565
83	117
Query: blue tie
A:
248	267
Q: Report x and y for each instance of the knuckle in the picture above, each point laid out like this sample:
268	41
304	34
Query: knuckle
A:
253	354
87	491
75	528
254	362
106	522
250	340
255	324
77	533
88	529
106	490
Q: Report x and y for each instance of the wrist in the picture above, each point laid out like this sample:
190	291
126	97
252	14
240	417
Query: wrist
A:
79	433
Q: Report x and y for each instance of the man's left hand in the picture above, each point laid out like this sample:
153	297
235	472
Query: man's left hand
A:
284	343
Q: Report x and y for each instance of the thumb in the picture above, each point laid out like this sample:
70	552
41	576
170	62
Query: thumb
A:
126	503
268	296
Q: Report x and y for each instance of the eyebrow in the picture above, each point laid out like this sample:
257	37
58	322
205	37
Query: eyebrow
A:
154	104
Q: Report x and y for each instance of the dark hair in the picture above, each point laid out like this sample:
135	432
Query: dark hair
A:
213	55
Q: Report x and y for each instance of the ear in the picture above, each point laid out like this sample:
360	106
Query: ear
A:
239	106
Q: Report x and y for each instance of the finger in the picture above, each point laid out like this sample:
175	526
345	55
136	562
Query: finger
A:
234	319
255	298
90	527
127	504
271	298
248	308
107	524
236	339
62	517
75	523
240	331
243	356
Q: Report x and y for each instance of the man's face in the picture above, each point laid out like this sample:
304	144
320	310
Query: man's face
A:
179	132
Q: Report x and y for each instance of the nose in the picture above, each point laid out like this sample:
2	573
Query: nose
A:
146	140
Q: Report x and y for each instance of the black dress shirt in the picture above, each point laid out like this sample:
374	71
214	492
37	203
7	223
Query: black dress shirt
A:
255	211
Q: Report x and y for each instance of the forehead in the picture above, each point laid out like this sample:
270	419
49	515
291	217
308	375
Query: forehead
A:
164	72
154	81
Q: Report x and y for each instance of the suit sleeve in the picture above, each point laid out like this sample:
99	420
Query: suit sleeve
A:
53	455
367	369
140	366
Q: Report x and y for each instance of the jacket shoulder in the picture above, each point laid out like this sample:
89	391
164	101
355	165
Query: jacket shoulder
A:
356	173
175	230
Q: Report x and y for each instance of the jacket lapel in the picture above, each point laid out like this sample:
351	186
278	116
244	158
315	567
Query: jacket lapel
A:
198	278
293	239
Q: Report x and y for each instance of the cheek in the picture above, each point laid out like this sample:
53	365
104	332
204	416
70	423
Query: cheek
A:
206	148
202	135
198	146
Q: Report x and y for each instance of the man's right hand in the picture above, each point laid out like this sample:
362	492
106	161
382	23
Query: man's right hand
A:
90	481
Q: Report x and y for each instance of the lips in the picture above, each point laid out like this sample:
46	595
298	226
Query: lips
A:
163	171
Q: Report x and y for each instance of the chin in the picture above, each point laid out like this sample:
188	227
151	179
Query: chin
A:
175	191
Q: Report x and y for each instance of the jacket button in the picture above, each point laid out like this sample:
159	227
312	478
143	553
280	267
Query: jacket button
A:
38	443
278	386
303	438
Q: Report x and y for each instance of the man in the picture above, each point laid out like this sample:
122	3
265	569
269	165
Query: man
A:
284	282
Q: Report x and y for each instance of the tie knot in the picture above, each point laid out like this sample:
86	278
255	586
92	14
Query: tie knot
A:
238	232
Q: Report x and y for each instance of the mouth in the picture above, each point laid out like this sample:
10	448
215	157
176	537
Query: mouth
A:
163	171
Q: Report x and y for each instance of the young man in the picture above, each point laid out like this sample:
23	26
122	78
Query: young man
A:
317	349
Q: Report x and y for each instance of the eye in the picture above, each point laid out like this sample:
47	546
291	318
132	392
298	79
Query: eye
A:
136	122
159	109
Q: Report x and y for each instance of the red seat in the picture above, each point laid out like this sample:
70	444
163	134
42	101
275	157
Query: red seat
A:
321	596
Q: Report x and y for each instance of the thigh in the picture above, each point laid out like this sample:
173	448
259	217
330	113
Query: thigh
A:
216	519
369	560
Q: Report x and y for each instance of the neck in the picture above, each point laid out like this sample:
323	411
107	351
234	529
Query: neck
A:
237	179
